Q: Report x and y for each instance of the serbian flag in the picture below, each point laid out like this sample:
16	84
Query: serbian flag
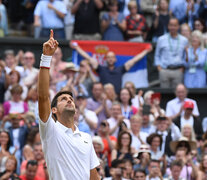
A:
124	51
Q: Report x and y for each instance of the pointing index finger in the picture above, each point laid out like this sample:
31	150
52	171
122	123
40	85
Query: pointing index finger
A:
51	33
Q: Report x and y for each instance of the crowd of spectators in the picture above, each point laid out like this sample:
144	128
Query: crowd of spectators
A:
134	138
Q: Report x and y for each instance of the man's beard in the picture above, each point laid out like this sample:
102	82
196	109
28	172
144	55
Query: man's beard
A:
69	112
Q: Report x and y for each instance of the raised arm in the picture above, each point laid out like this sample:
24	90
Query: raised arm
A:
92	61
49	48
136	58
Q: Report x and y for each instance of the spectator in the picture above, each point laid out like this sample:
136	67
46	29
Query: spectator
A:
126	105
123	149
30	72
188	132
203	10
199	24
161	20
186	12
138	137
50	15
174	107
109	90
31	170
111	73
98	103
169	57
146	125
87	26
117	122
148	8
9	173
185	31
98	147
3	20
137	99
85	77
195	62
128	170
139	174
136	29
176	168
4	81
203	168
15	105
113	23
14	78
86	115
154	170
188	118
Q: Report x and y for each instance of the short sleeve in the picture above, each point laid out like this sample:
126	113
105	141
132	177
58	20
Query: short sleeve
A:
37	11
94	162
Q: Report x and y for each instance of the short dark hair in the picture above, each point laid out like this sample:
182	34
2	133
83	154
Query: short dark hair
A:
141	171
54	101
115	163
176	163
32	163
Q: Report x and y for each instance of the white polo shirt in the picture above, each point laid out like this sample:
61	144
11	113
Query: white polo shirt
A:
68	154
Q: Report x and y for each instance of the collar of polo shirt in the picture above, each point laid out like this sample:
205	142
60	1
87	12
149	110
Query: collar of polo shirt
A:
68	130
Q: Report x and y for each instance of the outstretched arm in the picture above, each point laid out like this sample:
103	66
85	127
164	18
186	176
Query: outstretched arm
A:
92	61
136	58
49	48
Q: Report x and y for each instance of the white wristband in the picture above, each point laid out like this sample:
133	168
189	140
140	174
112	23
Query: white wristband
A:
75	44
45	61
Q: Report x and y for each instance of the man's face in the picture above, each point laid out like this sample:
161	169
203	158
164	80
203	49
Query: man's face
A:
10	60
110	58
135	124
28	59
31	172
97	91
58	53
162	125
145	119
175	170
181	92
154	169
65	103
173	26
81	102
180	154
116	110
139	176
38	152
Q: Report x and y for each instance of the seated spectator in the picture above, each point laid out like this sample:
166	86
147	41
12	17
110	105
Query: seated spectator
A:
30	72
117	122
4	81
6	149
123	149
86	115
15	105
199	24
50	15
110	93
203	168
155	142
148	8
161	19
14	78
185	31
3	20
9	173
31	170
87	25
113	23
146	124
137	99
175	168
39	157
98	103
126	104
154	170
108	141
188	118
195	75
136	24
188	132
138	137
128	170
174	107
139	174
85	77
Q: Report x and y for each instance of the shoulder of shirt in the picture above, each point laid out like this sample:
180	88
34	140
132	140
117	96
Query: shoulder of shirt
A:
183	37
163	37
172	101
86	136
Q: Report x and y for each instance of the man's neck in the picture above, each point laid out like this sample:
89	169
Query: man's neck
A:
173	35
111	67
67	120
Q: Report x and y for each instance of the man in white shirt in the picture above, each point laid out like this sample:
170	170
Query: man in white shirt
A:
69	153
174	107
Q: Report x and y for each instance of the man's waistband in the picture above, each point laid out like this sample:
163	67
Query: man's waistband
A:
174	67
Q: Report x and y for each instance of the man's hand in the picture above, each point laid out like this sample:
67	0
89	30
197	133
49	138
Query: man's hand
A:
50	46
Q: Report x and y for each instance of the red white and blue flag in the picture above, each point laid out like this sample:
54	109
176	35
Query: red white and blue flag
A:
124	51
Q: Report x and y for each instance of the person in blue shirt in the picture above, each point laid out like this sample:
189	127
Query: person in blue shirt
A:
195	75
169	56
